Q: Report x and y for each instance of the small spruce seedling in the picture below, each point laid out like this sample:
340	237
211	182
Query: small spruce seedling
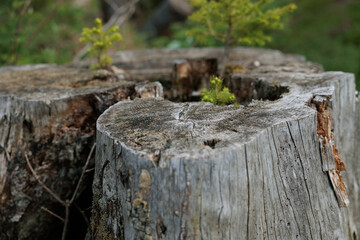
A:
234	22
217	94
100	41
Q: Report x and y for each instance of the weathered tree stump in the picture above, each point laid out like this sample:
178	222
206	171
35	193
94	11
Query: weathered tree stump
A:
269	170
49	112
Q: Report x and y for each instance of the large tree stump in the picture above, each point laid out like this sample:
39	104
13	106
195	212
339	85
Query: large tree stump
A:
49	113
269	170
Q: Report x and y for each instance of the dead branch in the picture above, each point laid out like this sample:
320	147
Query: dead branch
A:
42	183
67	203
82	173
52	213
66	220
89	170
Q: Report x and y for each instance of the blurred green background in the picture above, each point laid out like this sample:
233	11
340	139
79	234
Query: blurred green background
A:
47	31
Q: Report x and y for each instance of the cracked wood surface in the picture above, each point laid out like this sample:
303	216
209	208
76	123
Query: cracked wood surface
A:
50	112
252	172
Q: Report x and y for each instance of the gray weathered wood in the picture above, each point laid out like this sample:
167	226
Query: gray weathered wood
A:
168	170
49	112
157	64
354	179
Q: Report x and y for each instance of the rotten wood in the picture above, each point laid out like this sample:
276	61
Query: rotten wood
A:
331	160
49	112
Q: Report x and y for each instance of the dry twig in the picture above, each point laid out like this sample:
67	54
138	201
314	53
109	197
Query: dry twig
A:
67	203
42	183
90	169
52	213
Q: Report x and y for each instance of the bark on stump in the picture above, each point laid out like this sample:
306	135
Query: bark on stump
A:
270	170
49	112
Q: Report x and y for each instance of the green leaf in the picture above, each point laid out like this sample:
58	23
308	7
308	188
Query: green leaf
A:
236	21
217	94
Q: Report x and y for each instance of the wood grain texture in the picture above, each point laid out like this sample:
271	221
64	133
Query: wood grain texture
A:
49	112
158	64
168	170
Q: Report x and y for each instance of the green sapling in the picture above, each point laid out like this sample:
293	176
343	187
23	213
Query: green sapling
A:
100	41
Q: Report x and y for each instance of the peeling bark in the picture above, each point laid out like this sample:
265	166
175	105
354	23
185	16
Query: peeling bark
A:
332	162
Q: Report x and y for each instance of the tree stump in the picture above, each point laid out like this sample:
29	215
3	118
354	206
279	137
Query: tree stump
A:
271	169
49	112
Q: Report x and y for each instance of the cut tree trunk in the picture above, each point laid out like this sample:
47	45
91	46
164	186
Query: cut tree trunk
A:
273	169
49	112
